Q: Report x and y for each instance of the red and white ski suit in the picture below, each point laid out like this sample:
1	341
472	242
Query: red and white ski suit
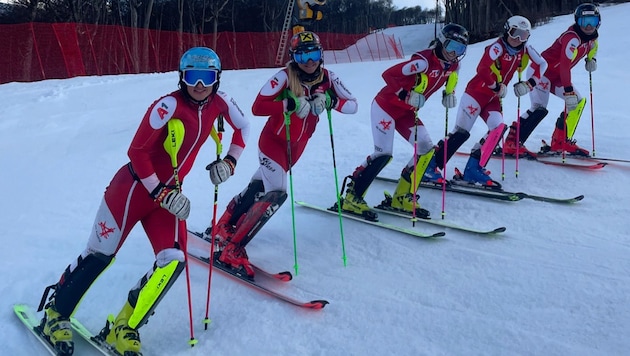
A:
565	52
272	144
127	200
478	99
390	114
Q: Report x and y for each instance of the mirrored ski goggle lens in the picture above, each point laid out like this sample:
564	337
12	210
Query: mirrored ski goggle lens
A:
454	46
207	77
592	21
303	57
517	33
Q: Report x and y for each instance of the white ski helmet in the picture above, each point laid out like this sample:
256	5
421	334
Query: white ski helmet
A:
518	27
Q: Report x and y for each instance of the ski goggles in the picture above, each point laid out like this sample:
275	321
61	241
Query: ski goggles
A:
302	57
207	77
517	33
454	46
592	21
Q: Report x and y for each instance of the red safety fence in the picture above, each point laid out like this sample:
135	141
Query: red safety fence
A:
37	51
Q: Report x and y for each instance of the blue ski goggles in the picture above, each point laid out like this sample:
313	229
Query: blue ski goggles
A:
517	33
302	57
454	46
592	21
207	77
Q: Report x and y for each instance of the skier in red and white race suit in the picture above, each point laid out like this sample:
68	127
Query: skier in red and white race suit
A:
395	110
148	191
302	90
483	94
577	42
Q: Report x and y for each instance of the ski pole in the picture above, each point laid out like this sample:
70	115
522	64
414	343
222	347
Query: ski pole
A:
451	82
172	144
287	124
216	135
332	146
590	56
495	68
518	125
419	88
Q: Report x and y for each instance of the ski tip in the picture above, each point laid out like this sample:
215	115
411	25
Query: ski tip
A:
316	304
499	230
578	198
438	234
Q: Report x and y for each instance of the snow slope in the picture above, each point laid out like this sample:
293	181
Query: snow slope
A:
556	283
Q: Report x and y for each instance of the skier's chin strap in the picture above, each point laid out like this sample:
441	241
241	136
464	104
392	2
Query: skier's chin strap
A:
153	286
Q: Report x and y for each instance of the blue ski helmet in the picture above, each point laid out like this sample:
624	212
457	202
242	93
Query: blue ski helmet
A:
200	58
199	64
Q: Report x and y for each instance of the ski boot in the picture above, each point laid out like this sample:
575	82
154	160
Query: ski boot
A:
509	147
354	204
235	257
432	174
560	143
122	338
475	174
57	330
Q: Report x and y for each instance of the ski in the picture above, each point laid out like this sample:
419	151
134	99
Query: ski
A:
97	341
284	276
333	210
314	304
394	212
497	194
570	161
29	318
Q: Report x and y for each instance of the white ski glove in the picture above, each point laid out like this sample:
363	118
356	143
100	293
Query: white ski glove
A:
570	100
415	99
172	200
523	87
298	105
221	170
590	65
448	100
318	104
500	89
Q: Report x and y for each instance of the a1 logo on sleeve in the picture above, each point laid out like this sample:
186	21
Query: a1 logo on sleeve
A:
162	111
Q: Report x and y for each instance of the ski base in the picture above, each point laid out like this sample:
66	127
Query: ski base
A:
333	210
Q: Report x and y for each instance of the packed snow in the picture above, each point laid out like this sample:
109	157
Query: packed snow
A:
555	283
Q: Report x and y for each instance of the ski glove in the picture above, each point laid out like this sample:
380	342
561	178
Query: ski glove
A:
220	170
448	100
412	98
172	200
318	104
331	100
523	87
500	89
298	105
590	65
570	100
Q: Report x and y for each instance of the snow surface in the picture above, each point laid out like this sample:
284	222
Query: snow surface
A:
555	283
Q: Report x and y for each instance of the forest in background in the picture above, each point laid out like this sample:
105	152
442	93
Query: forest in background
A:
483	18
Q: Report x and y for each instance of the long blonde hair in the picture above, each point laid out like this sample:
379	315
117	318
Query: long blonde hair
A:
295	84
